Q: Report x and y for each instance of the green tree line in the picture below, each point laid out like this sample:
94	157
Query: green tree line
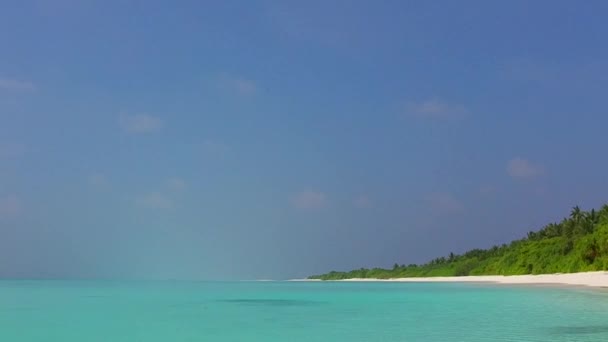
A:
578	243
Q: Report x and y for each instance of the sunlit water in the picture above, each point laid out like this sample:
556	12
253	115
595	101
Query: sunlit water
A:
284	311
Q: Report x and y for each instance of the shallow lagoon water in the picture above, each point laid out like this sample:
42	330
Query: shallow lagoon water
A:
297	311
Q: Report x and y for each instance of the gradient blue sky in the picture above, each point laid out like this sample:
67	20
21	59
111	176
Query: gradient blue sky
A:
275	139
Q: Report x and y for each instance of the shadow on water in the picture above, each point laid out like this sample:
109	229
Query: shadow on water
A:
271	302
580	330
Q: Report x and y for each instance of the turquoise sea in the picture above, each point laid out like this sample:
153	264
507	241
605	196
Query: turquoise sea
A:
89	311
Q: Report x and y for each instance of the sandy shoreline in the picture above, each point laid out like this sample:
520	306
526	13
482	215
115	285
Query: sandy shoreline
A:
590	279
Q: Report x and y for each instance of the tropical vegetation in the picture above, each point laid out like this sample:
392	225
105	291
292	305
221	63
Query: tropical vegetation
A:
578	243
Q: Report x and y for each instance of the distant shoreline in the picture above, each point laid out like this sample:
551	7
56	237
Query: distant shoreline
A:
551	255
590	279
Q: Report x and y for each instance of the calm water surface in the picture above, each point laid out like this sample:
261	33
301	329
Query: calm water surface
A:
282	311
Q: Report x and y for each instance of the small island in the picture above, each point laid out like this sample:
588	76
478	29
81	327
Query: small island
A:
579	243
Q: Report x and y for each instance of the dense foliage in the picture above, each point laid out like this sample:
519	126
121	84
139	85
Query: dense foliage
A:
576	244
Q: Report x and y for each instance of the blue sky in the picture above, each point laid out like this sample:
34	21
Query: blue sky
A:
275	139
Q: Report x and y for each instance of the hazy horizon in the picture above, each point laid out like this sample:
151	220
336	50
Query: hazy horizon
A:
275	140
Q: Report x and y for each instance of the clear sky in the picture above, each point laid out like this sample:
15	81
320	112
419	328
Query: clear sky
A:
275	139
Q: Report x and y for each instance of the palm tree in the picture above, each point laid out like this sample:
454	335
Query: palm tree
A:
576	214
579	224
588	221
603	212
568	227
550	230
593	216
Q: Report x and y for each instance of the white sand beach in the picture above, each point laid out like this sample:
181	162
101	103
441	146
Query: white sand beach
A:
591	279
